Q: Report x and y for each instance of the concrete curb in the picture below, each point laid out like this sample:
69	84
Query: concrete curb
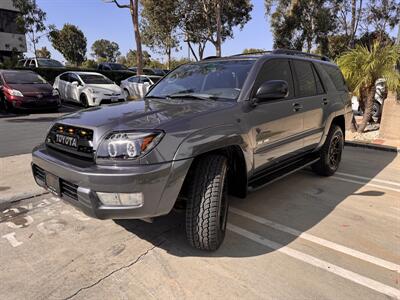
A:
372	146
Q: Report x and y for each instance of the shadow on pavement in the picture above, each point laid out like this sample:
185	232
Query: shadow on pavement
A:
300	201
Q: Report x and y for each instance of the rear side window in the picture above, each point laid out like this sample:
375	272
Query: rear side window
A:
277	69
336	77
305	78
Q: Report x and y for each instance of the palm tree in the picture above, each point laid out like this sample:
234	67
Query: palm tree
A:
362	67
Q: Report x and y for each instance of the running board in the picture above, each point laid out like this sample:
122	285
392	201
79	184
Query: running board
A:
277	173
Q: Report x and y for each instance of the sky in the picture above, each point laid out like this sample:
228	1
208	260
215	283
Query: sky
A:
100	20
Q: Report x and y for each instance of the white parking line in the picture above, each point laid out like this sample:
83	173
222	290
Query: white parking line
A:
328	244
349	275
366	183
369	178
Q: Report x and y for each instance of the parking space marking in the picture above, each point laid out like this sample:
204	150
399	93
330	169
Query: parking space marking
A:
328	244
339	271
369	178
366	183
10	237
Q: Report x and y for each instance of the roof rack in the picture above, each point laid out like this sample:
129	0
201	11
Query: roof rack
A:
287	52
299	53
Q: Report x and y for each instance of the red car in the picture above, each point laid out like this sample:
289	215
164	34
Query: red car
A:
21	89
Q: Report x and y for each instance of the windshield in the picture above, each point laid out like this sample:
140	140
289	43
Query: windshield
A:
216	79
117	67
95	79
23	78
51	63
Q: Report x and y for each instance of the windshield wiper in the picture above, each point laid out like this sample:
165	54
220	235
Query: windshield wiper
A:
193	96
155	97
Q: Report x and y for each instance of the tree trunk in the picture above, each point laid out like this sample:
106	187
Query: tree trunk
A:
191	50
368	104
353	22
219	29
169	57
134	9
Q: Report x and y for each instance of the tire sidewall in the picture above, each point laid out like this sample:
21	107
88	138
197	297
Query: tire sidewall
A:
337	132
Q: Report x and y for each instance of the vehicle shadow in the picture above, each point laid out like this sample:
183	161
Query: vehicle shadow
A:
299	201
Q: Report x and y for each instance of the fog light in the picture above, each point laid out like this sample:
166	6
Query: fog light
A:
121	199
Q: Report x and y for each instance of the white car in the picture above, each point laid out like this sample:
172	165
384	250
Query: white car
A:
138	86
87	88
380	95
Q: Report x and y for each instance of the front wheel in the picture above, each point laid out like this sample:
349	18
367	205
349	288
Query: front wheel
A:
207	207
84	101
330	153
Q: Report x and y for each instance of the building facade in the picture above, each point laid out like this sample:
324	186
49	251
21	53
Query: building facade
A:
11	38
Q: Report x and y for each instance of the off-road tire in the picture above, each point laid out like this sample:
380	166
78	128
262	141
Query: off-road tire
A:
330	153
84	101
207	202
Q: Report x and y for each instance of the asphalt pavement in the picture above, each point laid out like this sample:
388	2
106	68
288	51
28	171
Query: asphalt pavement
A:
21	131
303	237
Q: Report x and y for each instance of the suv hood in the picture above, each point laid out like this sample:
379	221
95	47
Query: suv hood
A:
145	114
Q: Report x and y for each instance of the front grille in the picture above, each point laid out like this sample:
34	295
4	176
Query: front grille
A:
84	137
39	173
68	189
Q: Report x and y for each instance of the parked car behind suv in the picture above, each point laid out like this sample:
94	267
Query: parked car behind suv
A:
210	129
138	86
20	89
39	63
87	88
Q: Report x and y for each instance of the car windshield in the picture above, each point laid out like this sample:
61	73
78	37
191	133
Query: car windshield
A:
95	79
23	78
50	63
117	67
211	80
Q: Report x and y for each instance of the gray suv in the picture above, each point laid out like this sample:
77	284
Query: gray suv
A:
218	127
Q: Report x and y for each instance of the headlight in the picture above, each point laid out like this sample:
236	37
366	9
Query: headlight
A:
55	93
123	146
15	93
93	91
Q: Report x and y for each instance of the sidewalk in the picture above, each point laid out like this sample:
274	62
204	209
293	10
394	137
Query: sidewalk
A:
16	180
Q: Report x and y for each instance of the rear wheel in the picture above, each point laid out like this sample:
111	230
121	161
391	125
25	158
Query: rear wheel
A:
84	101
207	203
330	153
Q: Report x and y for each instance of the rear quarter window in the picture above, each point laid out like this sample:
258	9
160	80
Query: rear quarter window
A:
336	76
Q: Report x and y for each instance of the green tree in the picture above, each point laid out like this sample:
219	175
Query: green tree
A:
133	7
89	64
199	19
105	50
31	20
362	67
380	16
177	62
301	24
160	21
70	41
43	53
130	59
252	50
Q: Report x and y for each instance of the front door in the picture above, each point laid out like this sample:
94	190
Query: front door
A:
276	125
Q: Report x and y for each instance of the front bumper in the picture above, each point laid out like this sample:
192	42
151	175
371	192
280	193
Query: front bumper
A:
28	103
79	181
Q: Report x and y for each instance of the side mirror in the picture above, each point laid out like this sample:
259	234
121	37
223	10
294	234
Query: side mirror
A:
272	90
75	83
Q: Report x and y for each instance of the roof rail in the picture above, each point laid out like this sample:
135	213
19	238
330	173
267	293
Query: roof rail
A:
251	53
211	57
299	53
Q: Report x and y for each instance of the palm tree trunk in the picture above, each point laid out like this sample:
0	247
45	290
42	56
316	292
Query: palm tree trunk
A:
134	9
368	104
219	29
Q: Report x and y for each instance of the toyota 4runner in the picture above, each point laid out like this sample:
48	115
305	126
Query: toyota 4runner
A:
218	127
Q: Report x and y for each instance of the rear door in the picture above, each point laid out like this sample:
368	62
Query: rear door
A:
73	90
62	85
311	96
276	125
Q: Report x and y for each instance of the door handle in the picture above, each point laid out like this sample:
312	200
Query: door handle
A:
297	107
325	101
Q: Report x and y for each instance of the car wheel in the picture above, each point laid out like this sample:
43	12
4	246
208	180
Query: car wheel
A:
84	101
376	110
207	202
126	93
6	106
330	153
